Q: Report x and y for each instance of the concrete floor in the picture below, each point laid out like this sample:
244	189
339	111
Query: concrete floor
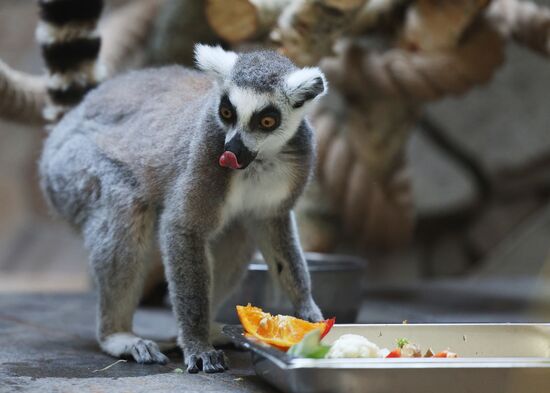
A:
47	342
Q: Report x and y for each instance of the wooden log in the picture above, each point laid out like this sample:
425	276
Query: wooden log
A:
307	29
240	20
234	21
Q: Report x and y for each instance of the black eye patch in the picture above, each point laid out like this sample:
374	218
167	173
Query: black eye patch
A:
227	111
268	119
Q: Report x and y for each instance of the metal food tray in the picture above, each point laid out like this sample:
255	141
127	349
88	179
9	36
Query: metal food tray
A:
493	358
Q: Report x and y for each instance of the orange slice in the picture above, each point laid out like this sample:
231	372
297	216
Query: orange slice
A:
281	331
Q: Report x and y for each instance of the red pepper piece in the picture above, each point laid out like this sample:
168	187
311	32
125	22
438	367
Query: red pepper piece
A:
329	324
396	353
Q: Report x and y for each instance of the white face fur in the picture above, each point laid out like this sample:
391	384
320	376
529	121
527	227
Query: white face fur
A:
265	121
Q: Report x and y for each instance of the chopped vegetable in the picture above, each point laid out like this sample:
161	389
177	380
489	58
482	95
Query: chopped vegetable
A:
404	349
396	353
429	353
281	331
446	354
402	342
310	346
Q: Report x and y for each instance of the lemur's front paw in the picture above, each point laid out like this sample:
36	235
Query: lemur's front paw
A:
209	361
310	312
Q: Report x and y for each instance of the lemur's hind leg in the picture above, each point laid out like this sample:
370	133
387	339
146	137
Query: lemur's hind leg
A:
119	238
231	253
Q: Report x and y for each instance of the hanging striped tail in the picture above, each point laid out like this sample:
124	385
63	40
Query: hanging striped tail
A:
70	44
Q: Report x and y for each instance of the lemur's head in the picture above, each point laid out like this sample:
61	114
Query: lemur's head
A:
263	98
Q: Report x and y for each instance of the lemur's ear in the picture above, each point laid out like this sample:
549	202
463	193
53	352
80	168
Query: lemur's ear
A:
214	59
304	85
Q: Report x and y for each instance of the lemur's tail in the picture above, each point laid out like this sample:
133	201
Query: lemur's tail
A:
70	43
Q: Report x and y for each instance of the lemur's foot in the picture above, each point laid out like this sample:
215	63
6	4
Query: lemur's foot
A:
210	361
310	312
127	344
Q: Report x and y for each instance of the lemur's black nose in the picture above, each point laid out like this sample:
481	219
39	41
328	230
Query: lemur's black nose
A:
242	154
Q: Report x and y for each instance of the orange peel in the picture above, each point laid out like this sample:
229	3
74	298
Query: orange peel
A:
281	331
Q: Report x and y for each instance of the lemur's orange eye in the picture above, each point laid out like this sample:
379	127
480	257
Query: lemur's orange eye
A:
267	122
226	113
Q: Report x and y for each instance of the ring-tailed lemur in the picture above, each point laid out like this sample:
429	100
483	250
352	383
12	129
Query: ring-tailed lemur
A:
205	165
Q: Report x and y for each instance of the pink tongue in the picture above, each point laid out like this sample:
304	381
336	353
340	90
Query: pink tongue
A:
229	160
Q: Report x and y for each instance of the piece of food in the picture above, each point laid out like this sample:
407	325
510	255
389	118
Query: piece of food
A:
446	354
354	346
401	342
310	346
396	353
281	331
303	339
411	350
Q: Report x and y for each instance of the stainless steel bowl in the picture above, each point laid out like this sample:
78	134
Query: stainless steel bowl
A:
336	281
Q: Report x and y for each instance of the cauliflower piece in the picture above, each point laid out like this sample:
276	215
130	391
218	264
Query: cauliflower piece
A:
353	346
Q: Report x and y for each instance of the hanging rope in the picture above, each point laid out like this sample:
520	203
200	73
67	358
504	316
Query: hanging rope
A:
526	22
412	75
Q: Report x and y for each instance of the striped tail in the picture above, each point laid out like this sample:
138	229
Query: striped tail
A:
70	44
